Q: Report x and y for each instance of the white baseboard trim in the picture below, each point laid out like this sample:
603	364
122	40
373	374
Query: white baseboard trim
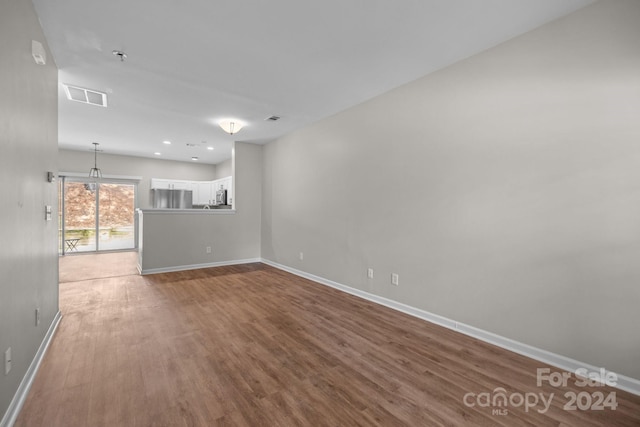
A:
625	383
196	266
23	390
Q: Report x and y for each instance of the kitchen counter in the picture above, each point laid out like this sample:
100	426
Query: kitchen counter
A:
186	239
211	207
155	211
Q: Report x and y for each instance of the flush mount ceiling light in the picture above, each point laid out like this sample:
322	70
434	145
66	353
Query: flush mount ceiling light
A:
167	142
231	126
95	172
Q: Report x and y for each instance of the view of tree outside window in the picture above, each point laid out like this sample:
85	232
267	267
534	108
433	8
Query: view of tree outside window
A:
97	216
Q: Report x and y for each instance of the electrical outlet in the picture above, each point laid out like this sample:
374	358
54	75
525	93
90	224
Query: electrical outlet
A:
208	249
395	279
7	361
370	273
37	316
301	256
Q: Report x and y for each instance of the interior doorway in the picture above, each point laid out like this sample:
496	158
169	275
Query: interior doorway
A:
96	216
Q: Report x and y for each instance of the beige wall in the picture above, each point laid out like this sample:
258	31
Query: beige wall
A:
175	240
224	169
28	149
503	190
111	164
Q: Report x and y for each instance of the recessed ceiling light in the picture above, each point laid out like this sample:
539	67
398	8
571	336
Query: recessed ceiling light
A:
157	153
166	142
209	148
194	159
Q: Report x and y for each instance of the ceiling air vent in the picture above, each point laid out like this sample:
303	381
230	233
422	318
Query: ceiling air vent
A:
88	96
272	118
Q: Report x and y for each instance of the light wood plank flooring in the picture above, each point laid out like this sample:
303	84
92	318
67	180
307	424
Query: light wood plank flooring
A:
254	346
76	267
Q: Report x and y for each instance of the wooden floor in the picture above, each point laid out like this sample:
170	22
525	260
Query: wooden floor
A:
76	267
254	346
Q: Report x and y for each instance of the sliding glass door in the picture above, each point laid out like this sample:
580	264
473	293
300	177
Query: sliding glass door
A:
97	216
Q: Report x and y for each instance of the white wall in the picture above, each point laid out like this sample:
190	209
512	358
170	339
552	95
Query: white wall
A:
28	149
224	169
178	240
112	164
504	190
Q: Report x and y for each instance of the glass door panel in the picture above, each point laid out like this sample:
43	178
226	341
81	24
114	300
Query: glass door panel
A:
96	216
116	216
79	216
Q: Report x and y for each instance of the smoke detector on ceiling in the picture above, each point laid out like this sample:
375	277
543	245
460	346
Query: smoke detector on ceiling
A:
87	96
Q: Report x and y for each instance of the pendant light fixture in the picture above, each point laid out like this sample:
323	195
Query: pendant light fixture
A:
231	126
95	172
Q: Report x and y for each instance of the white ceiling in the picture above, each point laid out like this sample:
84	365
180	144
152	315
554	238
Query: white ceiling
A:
192	63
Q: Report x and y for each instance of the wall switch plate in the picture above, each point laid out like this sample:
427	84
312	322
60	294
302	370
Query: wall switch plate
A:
7	361
395	279
301	256
208	249
47	213
37	316
370	273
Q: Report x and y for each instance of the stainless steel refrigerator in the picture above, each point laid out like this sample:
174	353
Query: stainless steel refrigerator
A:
172	199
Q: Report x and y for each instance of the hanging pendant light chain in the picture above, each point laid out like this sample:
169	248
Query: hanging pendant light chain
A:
95	172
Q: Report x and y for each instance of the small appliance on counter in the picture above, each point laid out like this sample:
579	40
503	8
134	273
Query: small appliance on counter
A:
221	197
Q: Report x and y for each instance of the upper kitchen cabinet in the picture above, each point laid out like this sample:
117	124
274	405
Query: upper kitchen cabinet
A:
171	184
223	184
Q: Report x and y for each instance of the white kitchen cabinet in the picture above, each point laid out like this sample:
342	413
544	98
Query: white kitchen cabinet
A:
204	192
171	184
162	184
182	185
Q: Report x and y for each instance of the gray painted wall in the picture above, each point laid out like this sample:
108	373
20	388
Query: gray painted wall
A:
224	169
509	199
28	149
111	164
172	240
